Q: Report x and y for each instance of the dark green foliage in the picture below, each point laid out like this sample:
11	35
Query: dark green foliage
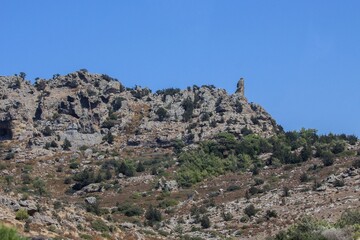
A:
130	210
328	159
127	169
227	216
270	214
246	131
74	165
339	147
162	114
10	156
99	226
140	92
238	107
47	131
205	222
306	229
108	123
83	178
188	106
22	75
178	145
140	167
66	145
250	210
232	188
356	163
168	91
39	186
153	215
349	218
205	116
109	138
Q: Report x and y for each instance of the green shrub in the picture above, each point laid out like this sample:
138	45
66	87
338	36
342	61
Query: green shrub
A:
66	145
130	210
7	233
328	159
100	226
140	167
271	214
205	222
250	210
22	214
232	188
153	215
162	114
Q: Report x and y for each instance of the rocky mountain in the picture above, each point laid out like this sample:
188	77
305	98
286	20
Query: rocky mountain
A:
84	157
84	107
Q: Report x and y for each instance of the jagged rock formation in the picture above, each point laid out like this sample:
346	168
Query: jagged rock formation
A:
84	107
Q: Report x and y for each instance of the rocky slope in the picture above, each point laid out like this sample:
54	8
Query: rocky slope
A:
83	157
84	107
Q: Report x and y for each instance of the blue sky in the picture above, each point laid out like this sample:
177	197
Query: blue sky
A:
300	59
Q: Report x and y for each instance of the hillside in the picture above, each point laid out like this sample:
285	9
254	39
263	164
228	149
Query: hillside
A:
84	157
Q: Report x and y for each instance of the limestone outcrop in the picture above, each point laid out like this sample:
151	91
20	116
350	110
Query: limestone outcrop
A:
84	108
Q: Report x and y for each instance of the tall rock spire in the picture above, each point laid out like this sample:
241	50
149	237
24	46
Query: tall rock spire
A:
240	87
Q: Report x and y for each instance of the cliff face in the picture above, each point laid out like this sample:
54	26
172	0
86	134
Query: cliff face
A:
84	107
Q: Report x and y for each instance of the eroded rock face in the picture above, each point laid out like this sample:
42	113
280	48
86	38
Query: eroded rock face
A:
84	108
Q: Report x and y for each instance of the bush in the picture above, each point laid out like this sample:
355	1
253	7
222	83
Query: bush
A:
100	226
271	214
328	159
140	167
47	131
153	215
227	216
109	138
232	188
130	210
356	163
162	114
7	233
188	106
66	145
250	210
127	169
205	222
22	214
39	186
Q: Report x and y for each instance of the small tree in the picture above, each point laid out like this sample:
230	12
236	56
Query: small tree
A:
162	114
66	145
22	75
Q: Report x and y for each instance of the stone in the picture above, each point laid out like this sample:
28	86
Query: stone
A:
93	187
91	200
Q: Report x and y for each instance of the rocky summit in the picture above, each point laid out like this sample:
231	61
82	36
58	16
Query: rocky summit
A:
84	157
84	107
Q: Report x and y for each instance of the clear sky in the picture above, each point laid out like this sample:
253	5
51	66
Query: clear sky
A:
300	59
